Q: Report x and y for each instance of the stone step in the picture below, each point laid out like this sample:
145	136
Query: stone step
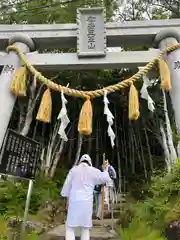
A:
116	214
97	233
116	206
104	222
121	199
107	214
121	195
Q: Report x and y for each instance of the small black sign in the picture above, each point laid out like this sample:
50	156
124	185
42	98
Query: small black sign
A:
20	155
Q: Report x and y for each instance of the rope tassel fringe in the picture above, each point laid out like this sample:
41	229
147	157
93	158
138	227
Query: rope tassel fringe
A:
18	84
45	109
85	118
164	74
133	103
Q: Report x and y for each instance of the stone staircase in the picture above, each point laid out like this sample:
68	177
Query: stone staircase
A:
102	229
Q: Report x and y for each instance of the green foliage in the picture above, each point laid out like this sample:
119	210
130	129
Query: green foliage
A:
32	236
138	230
48	11
150	9
5	233
3	228
160	208
12	202
174	213
13	195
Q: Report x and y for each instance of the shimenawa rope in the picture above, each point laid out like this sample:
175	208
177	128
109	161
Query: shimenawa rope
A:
95	93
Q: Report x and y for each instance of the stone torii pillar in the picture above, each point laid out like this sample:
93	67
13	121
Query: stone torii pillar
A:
7	99
162	40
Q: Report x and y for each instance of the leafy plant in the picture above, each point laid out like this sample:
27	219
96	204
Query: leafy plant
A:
161	207
3	228
6	233
138	230
13	195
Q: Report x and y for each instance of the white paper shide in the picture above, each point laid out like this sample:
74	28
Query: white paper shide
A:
145	94
109	118
63	117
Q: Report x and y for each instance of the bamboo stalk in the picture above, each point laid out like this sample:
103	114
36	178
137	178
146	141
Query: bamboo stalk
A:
97	145
102	193
118	153
142	153
80	142
125	145
132	148
148	147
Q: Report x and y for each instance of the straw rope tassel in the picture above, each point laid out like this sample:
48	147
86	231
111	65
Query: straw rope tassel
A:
85	118
18	84
133	103
164	74
45	109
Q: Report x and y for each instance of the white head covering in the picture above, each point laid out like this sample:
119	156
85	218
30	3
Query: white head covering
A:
87	158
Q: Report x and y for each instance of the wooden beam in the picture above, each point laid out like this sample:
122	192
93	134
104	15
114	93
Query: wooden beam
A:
113	60
132	33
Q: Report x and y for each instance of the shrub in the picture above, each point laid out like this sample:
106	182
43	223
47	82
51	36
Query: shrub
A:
160	208
139	230
13	195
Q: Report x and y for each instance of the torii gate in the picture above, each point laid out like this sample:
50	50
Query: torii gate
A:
91	36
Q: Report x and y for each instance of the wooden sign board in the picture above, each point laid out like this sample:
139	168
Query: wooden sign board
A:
20	156
91	36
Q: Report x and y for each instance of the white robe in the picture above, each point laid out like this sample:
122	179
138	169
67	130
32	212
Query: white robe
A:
78	188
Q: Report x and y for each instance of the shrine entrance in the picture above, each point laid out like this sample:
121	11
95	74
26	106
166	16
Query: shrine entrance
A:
92	37
94	40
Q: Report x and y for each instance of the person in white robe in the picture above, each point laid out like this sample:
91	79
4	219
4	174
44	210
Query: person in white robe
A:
109	190
109	187
78	188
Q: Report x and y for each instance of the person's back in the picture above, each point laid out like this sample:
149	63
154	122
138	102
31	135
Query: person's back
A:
109	190
84	179
78	188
